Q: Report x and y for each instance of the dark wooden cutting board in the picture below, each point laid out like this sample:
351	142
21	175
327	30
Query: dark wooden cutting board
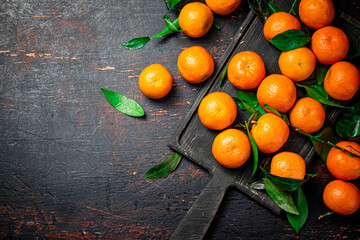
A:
194	141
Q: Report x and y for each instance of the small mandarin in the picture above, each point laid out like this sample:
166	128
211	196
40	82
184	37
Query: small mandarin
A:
231	148
316	14
278	23
195	19
217	110
307	114
155	81
297	64
342	197
223	7
288	165
329	44
195	64
342	81
246	70
277	91
270	133
343	165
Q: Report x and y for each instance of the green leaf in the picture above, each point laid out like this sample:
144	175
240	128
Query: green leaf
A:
297	221
167	30
173	3
348	125
216	26
277	113
261	8
323	149
223	75
320	73
123	104
281	198
286	184
274	8
317	92
258	185
171	25
254	147
135	43
249	103
163	169
355	54
290	40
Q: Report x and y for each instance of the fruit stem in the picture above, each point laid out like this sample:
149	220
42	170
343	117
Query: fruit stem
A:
318	139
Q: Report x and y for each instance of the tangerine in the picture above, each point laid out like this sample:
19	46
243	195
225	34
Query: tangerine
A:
270	133
277	91
329	44
288	165
195	64
343	165
195	19
342	197
246	70
278	23
155	81
217	110
342	81
223	7
297	64
231	148
307	114
316	14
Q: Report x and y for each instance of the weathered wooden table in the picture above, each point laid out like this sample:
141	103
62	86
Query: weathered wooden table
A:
73	167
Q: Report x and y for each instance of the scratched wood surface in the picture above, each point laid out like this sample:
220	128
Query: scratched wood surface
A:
72	167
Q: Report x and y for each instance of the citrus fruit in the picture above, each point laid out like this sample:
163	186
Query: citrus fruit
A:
278	23
270	133
277	91
297	64
316	14
217	110
288	165
155	81
343	165
231	148
307	114
329	44
195	64
342	81
342	197
195	19
223	7
246	70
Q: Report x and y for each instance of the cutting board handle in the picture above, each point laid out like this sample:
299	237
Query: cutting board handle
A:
199	217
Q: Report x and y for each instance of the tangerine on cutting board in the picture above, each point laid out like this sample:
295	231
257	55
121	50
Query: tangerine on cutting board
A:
343	165
195	19
155	81
270	133
277	91
297	64
316	14
288	165
195	64
278	23
342	197
329	44
246	70
231	148
342	81
217	110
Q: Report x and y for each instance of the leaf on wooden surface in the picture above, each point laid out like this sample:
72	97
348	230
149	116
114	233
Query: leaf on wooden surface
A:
297	221
277	113
135	43
223	75
290	40
171	25
348	125
261	8
163	169
258	185
286	184
320	73
253	145
322	149
167	30
123	104
248	101
274	8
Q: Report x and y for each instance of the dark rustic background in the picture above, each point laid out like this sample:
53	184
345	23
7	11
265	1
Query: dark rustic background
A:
73	167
